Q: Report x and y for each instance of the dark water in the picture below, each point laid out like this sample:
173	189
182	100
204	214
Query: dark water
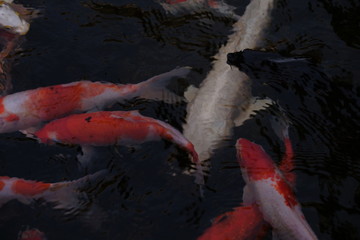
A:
146	195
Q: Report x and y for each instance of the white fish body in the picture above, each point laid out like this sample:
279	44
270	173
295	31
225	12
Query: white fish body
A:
224	98
11	21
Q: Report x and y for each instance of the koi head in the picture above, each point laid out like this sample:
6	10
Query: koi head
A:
11	21
253	160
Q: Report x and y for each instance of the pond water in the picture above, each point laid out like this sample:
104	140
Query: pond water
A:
146	195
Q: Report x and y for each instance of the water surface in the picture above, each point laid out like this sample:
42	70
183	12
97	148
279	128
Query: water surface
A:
147	195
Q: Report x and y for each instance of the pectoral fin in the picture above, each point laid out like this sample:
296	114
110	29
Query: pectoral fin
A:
191	93
256	104
248	196
86	156
29	132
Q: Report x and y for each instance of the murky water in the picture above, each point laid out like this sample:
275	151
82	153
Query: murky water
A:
146	195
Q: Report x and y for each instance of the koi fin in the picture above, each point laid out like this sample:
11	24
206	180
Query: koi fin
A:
29	132
255	105
85	157
248	197
280	126
71	195
154	88
191	93
185	6
275	235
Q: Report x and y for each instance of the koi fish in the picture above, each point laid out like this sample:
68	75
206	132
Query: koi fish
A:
23	110
32	234
243	223
224	99
64	195
109	128
247	222
268	188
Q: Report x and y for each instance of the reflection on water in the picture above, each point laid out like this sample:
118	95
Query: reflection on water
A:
146	195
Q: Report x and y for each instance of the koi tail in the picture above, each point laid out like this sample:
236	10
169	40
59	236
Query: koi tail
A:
71	195
199	169
280	125
281	128
185	6
154	88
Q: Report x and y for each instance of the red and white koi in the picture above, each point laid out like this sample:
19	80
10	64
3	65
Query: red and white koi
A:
31	234
243	223
64	195
23	110
269	189
246	222
109	128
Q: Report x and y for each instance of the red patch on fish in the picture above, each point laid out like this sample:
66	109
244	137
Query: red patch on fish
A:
56	101
242	223
98	128
284	189
29	188
12	118
212	3
2	184
32	234
254	159
2	108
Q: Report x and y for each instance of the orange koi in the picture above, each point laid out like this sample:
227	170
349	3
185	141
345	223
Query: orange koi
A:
64	195
269	189
109	128
23	110
32	234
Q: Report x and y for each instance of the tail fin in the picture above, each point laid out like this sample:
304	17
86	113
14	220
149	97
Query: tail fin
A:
154	88
281	127
71	195
184	6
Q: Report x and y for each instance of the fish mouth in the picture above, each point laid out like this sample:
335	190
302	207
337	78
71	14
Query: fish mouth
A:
235	59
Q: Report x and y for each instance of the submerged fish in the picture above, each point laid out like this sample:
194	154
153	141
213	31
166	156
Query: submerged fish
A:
31	234
64	195
243	223
224	98
269	189
23	110
110	128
